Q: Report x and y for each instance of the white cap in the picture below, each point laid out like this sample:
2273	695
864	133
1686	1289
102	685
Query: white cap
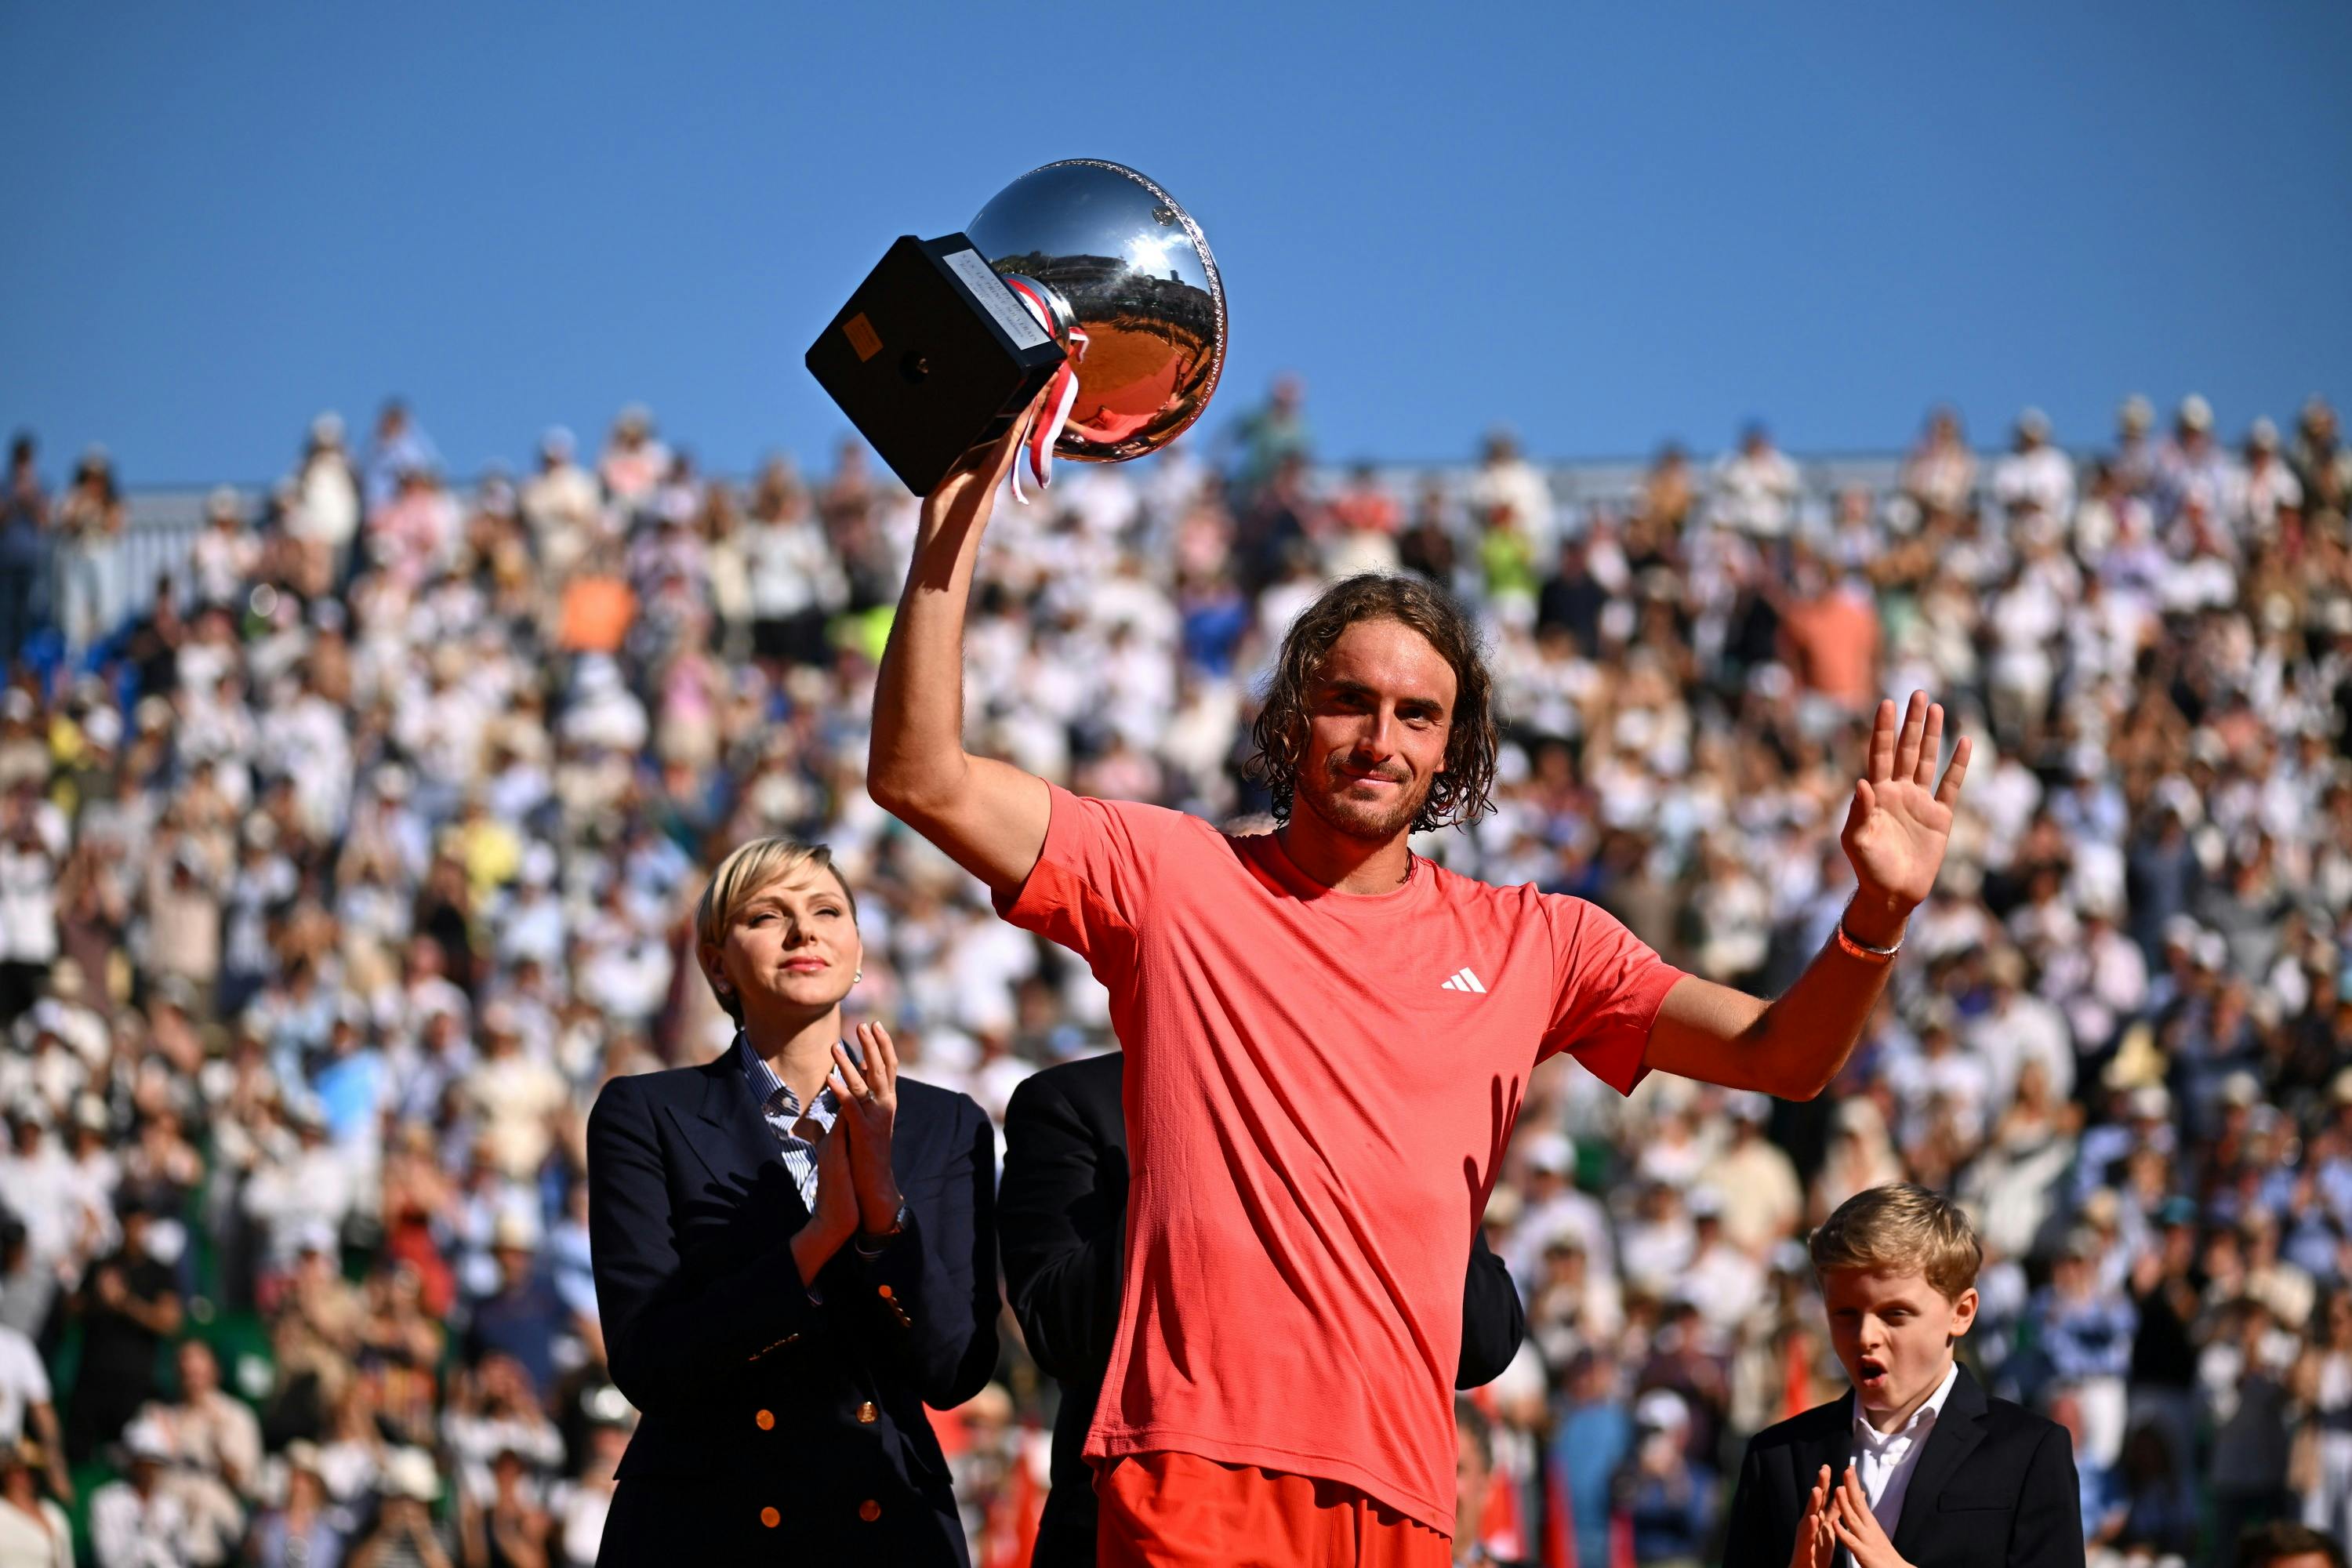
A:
1662	1408
145	1440
1550	1151
515	1231
410	1473
2195	413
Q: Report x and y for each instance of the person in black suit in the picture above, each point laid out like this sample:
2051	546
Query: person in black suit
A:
795	1252
1062	1214
1916	1467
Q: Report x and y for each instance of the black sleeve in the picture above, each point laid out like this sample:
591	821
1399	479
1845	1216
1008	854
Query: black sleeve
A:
1747	1541
1065	1228
2049	1529
661	1342
929	1298
1493	1321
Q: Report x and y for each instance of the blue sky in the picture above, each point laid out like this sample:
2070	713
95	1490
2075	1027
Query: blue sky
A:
1600	225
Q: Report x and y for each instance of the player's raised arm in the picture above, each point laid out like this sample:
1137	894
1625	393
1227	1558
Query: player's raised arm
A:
1896	829
989	815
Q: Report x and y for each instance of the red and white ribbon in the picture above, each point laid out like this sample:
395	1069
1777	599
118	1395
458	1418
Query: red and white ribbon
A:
1063	392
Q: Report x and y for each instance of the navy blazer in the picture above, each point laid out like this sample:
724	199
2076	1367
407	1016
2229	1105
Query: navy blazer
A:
1995	1487
781	1424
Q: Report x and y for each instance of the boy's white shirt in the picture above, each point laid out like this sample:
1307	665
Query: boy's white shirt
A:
1885	1460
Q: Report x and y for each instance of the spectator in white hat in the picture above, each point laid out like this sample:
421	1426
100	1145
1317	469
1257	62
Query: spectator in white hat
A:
2193	468
406	1531
562	506
138	1522
34	1531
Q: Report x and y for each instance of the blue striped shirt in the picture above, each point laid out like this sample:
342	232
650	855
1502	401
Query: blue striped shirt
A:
780	1109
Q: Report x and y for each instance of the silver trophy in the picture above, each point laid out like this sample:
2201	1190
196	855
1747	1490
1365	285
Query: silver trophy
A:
1124	267
1081	279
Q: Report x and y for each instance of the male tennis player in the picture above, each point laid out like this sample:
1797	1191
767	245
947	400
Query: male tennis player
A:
1327	1040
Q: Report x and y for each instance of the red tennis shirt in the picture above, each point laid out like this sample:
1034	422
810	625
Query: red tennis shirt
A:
1319	1086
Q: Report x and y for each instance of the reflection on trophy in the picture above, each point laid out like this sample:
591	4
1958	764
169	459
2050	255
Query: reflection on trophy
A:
1082	277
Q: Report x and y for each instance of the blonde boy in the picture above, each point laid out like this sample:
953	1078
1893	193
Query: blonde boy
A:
1917	1467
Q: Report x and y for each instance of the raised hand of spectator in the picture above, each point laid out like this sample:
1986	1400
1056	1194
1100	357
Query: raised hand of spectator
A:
1900	821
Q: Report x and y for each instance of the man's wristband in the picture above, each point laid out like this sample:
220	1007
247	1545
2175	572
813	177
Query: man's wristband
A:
1856	948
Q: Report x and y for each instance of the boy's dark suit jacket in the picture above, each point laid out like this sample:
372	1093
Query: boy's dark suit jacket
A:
1063	1216
756	1398
1994	1489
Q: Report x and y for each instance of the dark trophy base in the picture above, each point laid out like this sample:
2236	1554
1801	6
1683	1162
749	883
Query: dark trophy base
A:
932	356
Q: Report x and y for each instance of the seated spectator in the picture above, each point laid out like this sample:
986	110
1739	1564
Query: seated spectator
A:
525	1321
515	1097
34	1531
497	1412
509	1528
578	1507
298	1530
405	1534
214	1447
1669	1500
139	1521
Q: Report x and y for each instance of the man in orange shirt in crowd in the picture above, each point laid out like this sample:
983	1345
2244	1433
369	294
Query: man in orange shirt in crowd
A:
1327	1040
1832	632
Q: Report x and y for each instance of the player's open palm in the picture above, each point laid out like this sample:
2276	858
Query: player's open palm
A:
1901	819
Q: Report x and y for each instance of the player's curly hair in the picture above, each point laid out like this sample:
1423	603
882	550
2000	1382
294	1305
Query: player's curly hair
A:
1464	792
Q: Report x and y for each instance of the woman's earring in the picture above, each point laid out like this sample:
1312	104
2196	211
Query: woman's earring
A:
857	977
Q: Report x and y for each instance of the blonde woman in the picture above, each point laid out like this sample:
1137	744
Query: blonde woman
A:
795	1252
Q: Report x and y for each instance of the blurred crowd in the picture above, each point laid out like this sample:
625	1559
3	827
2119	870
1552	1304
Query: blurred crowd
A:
342	864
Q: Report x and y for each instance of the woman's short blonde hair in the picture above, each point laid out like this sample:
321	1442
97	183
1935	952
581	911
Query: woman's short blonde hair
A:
1897	1228
739	878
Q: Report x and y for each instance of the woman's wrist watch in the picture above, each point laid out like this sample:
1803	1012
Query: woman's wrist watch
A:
871	1242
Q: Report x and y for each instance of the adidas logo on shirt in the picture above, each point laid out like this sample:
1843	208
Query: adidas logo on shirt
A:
1463	980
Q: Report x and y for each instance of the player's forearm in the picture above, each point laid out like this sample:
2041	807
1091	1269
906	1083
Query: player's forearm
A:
1790	1047
918	741
1805	1035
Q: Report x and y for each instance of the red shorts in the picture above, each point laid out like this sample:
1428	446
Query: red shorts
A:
1179	1510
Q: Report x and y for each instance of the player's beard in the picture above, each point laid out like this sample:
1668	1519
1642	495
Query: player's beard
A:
1376	822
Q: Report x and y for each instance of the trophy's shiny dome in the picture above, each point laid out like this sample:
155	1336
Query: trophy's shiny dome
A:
1138	277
